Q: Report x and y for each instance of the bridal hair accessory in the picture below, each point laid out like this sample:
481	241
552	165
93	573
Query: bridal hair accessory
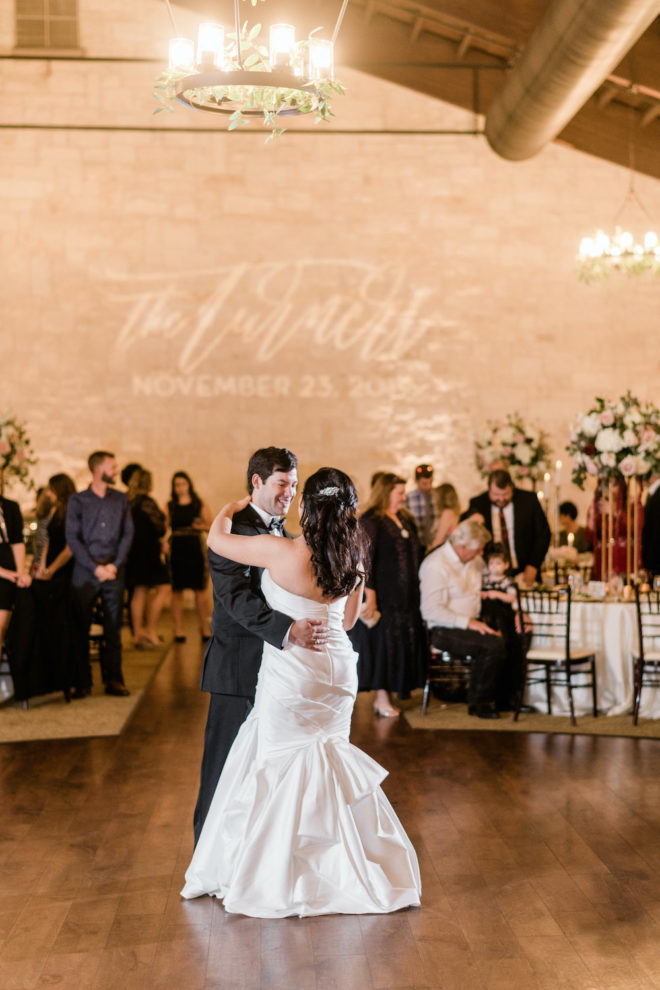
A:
328	491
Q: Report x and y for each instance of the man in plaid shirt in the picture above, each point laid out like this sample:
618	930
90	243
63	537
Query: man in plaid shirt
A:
421	504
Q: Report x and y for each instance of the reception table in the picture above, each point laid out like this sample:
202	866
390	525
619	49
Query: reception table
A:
610	629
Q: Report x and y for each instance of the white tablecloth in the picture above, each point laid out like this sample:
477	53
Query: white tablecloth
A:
610	629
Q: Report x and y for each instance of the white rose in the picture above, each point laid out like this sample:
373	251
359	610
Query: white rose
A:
629	438
632	417
608	459
522	453
609	440
590	425
506	435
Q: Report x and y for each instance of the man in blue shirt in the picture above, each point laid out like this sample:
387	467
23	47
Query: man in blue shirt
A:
421	505
99	531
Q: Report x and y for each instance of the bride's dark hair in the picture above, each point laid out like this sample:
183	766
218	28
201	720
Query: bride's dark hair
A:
332	532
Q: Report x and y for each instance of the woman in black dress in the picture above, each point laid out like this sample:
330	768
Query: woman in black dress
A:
52	597
188	518
392	651
12	561
146	568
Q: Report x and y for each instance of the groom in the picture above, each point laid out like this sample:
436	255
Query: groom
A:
242	620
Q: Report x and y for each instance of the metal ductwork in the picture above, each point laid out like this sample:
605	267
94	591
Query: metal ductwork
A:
572	51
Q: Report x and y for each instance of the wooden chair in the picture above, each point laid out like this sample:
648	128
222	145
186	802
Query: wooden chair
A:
444	668
646	660
551	659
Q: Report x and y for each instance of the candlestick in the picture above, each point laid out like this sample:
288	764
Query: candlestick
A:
610	542
570	539
603	534
636	534
629	535
557	515
546	489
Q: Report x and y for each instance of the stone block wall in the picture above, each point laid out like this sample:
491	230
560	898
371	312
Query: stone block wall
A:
183	295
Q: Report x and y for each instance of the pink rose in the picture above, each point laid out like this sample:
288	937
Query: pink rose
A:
647	435
523	471
4	447
628	466
590	466
607	417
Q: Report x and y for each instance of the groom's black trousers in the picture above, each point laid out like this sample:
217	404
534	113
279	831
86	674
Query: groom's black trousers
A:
227	712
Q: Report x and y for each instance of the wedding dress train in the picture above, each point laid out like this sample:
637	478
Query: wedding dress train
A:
298	824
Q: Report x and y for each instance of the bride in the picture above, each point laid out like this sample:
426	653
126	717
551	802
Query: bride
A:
298	824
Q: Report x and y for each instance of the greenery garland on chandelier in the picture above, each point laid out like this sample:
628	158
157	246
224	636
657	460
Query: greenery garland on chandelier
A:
309	90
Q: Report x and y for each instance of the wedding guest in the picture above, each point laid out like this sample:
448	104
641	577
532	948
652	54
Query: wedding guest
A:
391	652
146	569
99	530
188	518
52	590
499	602
420	503
42	513
651	530
516	520
128	471
12	561
450	582
447	513
568	523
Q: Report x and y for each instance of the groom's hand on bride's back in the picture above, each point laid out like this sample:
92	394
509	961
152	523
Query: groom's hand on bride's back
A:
310	634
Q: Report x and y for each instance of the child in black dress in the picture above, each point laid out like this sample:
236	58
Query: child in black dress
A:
499	606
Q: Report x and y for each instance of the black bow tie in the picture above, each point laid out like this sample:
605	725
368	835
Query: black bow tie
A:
276	526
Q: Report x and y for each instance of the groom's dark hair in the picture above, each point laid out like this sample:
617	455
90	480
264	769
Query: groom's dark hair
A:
268	460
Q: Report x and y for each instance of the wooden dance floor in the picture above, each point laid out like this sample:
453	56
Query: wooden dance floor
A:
540	860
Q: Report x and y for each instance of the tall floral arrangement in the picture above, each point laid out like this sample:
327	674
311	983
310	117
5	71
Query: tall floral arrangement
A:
523	450
616	440
16	453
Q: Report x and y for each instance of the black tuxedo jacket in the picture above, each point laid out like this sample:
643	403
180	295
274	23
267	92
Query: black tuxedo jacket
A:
651	534
531	533
241	619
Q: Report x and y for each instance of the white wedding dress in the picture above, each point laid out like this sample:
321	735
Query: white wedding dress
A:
298	824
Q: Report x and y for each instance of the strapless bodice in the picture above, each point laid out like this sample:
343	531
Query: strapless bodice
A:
299	607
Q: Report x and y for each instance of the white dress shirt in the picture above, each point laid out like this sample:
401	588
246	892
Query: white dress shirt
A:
450	589
267	518
497	529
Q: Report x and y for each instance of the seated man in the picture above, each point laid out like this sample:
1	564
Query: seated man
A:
568	523
450	582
